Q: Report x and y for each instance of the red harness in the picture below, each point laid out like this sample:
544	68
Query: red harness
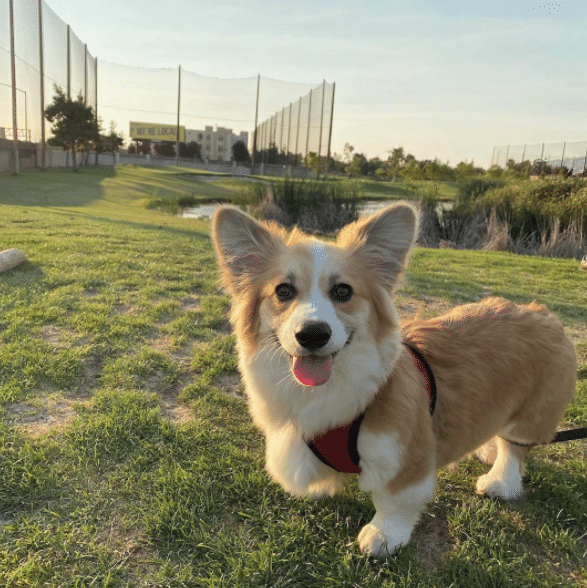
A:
337	448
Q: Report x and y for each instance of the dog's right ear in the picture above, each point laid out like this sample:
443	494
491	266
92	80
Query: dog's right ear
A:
244	247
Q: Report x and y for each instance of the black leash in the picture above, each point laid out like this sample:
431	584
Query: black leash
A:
568	435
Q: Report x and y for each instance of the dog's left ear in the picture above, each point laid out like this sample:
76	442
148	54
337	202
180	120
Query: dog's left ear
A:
383	241
244	247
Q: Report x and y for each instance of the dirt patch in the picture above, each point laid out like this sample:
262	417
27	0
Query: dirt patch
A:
45	415
230	384
432	540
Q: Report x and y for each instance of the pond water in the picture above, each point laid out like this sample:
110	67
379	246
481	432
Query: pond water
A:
208	210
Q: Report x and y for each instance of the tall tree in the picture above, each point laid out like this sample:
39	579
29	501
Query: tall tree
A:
240	153
74	123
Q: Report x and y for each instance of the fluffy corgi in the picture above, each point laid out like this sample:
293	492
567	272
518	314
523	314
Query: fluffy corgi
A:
321	350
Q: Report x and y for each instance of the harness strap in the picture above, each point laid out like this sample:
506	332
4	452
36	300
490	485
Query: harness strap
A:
429	380
337	448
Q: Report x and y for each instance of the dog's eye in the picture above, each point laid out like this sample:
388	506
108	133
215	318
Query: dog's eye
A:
285	292
341	293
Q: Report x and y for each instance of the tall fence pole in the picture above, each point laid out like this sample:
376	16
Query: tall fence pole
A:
541	160
321	121
254	154
298	131
309	120
42	76
563	155
178	107
68	83
13	70
289	134
330	130
96	96
281	130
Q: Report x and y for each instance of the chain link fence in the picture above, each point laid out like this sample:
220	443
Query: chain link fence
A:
46	52
570	155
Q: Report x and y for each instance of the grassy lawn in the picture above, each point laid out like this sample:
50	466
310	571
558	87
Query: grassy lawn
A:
127	457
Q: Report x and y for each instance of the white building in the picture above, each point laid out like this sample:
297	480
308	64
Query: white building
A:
216	144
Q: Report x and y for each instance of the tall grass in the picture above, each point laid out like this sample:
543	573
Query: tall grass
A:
541	217
317	206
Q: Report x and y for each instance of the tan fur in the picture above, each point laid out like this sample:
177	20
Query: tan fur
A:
500	368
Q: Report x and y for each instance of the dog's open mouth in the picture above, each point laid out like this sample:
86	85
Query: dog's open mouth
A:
313	370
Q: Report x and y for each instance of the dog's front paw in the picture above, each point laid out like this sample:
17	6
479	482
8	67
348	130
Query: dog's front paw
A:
373	541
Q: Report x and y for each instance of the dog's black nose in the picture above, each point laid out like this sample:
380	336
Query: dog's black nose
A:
314	335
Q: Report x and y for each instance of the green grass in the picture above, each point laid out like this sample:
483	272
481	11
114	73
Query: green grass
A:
128	459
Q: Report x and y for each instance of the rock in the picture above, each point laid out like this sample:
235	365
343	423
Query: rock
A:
10	259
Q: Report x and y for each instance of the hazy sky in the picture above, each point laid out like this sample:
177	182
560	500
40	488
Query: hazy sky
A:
447	78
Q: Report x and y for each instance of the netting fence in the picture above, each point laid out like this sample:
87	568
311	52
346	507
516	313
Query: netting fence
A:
301	128
46	52
544	156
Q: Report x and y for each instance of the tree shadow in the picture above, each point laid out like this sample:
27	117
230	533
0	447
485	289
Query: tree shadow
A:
60	187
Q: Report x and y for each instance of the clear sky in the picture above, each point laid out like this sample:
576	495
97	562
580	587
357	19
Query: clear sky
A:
448	78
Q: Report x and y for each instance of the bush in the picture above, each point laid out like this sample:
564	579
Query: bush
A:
321	205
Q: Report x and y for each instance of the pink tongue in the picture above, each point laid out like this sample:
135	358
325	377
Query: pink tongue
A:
313	370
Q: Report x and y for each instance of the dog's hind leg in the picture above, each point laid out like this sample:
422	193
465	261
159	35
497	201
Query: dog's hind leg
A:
504	480
487	452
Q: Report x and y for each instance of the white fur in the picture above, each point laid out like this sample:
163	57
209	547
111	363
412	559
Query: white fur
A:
314	305
395	517
382	456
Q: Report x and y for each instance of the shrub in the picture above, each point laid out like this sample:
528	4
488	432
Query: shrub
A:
321	205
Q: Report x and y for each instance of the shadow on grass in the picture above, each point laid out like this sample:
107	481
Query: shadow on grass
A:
56	187
25	274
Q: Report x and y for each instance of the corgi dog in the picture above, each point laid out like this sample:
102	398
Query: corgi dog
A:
321	347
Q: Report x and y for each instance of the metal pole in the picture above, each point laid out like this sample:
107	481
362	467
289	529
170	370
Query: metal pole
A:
541	160
96	96
309	118
13	70
68	83
86	74
298	131
288	133
321	119
68	62
254	154
281	131
42	76
563	156
178	104
330	130
524	154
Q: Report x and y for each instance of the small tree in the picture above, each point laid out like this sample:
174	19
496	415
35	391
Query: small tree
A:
75	124
240	153
191	150
144	146
164	148
113	141
314	161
